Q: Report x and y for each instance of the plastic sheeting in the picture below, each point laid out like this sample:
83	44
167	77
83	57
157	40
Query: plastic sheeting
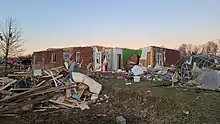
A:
208	80
144	53
202	61
138	70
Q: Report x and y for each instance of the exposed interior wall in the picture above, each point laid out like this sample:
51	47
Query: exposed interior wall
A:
172	57
105	52
115	60
67	54
152	57
84	55
144	56
127	54
108	54
168	56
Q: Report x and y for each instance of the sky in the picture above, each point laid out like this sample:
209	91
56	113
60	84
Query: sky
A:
115	23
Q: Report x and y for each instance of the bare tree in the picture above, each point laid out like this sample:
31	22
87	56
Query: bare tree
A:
183	49
211	47
202	48
195	49
11	44
189	49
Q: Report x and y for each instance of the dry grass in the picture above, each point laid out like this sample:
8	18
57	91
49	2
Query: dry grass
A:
138	103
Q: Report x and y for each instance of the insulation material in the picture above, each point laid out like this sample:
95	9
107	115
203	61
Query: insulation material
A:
208	80
196	71
144	53
138	70
94	86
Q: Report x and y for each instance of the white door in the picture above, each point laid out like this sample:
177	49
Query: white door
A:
159	59
98	61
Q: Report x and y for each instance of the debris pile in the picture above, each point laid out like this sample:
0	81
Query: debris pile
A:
201	70
191	66
47	89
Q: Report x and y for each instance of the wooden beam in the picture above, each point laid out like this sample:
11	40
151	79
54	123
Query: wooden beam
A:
60	103
41	83
23	93
5	92
20	89
7	85
8	109
46	91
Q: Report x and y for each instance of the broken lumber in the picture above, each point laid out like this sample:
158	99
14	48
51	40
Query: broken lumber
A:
41	83
7	85
5	92
61	103
23	93
20	89
68	91
27	102
45	91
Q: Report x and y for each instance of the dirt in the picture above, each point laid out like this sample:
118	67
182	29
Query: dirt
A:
139	103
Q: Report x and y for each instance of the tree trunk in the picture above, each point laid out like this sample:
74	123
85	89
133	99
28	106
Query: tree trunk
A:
6	57
6	63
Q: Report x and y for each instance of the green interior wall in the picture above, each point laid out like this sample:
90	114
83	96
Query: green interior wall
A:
139	52
128	53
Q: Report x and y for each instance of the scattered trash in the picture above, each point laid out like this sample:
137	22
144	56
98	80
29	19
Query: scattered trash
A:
101	115
138	70
148	91
106	97
94	97
186	112
120	120
137	78
128	83
184	89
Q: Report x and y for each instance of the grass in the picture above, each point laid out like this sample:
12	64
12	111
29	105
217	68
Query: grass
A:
139	103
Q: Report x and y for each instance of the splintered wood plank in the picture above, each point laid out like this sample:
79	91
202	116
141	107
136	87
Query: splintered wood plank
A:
81	90
60	103
68	91
27	102
7	85
60	99
75	102
41	83
5	92
5	80
53	89
25	93
20	89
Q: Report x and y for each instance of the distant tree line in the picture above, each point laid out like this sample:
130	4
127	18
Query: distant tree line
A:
211	47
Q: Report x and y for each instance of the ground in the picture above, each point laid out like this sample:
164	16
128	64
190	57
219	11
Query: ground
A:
139	103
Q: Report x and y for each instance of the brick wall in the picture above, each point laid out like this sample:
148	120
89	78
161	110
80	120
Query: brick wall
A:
43	59
86	55
172	57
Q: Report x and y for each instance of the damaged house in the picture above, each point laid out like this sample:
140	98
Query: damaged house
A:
52	58
46	59
55	57
152	56
105	58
